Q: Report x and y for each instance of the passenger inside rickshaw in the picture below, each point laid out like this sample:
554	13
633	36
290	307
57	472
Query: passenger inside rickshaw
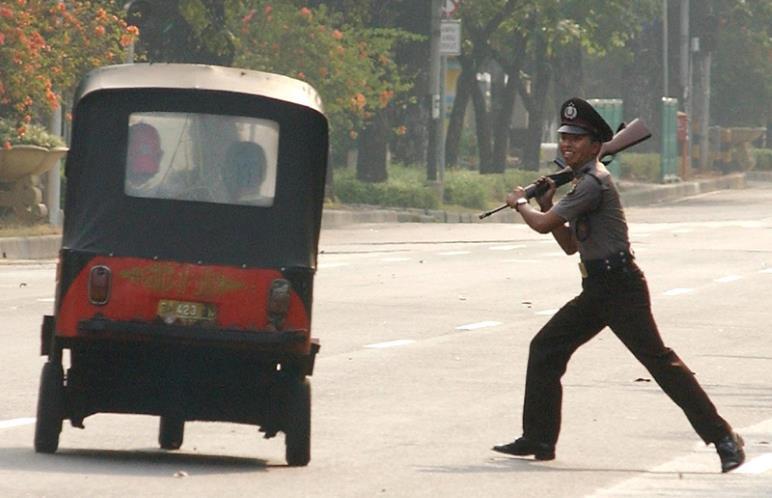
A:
208	158
244	171
143	157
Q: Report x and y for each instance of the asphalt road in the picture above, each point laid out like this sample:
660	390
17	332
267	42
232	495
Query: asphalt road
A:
425	330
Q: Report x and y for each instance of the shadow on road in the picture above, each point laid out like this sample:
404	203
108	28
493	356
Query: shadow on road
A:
145	462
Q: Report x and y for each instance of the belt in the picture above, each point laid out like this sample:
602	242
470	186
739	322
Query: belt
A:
621	260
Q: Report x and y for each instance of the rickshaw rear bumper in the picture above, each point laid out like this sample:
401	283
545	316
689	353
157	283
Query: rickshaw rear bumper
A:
286	346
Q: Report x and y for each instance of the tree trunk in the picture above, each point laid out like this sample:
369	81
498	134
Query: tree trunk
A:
502	124
466	80
535	101
373	147
483	130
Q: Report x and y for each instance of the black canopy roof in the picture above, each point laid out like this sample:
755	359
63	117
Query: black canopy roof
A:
101	218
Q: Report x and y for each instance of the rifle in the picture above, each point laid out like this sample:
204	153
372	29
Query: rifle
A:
626	136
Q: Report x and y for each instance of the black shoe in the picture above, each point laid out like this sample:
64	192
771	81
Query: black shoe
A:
524	447
730	450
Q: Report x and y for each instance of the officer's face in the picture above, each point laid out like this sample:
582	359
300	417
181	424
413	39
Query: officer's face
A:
577	150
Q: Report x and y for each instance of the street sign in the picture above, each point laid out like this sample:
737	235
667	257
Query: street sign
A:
450	38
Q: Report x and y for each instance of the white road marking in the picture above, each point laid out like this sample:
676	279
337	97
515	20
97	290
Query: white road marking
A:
46	300
702	459
758	465
678	291
506	248
390	344
394	259
453	253
478	325
16	422
527	261
727	279
549	312
332	265
766	270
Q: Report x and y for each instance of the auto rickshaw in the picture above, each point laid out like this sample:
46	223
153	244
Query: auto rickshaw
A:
185	277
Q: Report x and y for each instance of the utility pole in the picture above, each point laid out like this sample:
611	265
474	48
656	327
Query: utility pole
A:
53	177
686	79
435	130
665	51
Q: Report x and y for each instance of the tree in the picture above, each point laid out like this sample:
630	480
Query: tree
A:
46	47
184	31
352	67
742	68
480	20
556	35
532	43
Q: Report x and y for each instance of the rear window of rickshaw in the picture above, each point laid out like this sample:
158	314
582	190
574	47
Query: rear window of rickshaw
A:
202	157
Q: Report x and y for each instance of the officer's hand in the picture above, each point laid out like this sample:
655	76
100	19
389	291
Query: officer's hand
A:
545	199
513	196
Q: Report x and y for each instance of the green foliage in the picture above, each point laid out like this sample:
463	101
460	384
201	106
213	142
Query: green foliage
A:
405	188
467	188
640	167
33	135
472	190
763	158
741	80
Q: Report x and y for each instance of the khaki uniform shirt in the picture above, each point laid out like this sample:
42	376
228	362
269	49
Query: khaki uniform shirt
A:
594	213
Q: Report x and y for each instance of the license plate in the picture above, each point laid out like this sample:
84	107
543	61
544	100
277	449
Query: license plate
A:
185	312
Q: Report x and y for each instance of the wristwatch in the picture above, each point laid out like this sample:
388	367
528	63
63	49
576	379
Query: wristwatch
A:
521	201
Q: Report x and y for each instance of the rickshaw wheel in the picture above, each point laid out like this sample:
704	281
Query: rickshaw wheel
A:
297	432
50	411
171	432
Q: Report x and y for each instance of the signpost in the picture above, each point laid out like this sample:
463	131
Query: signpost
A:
450	38
446	41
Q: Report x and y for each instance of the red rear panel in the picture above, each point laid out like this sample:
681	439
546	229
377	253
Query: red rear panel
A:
238	297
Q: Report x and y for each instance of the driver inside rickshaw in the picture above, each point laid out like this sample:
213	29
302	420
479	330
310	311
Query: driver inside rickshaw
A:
143	158
244	171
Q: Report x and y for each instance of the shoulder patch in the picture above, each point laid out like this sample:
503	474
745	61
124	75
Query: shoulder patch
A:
574	184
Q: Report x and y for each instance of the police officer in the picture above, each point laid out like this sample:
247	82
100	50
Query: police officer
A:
590	219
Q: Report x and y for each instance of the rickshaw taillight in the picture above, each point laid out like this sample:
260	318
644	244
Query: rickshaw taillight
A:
278	301
99	281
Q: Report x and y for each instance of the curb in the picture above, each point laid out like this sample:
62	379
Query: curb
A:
654	194
47	246
42	247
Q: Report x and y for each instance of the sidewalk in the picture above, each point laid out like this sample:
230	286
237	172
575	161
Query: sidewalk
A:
633	194
46	247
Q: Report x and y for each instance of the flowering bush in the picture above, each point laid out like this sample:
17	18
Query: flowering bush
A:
352	68
45	48
33	135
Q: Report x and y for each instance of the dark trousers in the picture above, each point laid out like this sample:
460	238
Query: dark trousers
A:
619	300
